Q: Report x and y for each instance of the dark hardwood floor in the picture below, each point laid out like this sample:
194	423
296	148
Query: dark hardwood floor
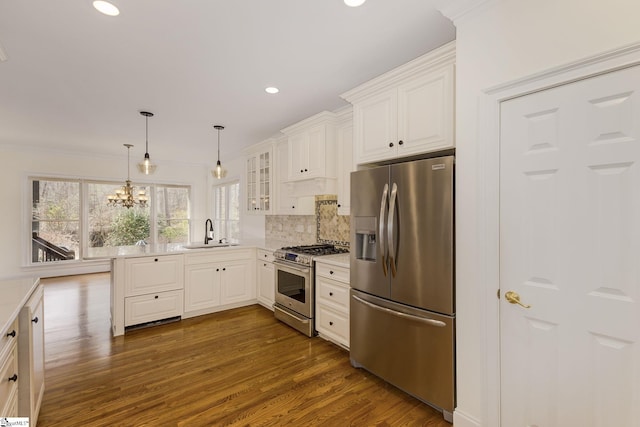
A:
236	368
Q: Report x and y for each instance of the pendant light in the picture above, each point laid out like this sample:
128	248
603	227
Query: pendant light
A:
219	172
124	195
145	166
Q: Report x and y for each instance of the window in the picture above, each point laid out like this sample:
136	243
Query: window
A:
55	220
71	215
172	218
226	210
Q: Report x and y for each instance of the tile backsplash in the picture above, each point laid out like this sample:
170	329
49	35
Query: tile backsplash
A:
324	227
295	229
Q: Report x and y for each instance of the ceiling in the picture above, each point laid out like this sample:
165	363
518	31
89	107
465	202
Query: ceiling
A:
75	79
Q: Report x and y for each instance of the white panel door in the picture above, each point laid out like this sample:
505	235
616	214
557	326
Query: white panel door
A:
570	247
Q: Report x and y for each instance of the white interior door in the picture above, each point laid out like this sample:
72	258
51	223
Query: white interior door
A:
570	248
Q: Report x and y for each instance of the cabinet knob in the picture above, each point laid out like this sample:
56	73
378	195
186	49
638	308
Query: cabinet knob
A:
156	297
330	294
391	144
400	142
301	171
264	265
12	333
224	269
306	170
13	378
293	207
339	205
330	271
265	255
217	269
35	319
155	260
330	323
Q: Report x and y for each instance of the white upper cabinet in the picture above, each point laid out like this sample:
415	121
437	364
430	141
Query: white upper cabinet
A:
259	177
407	111
311	148
289	202
344	161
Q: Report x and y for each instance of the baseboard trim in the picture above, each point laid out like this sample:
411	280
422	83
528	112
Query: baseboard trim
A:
460	419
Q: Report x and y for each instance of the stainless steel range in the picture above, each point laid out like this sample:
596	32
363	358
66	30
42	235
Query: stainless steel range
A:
295	291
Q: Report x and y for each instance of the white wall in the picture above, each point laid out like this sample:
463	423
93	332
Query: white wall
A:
497	42
17	163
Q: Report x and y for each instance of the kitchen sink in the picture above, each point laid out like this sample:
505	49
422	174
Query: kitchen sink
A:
208	246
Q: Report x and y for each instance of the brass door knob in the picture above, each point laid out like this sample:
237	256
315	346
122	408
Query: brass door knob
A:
514	298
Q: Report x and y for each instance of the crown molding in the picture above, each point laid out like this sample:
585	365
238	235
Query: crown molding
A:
457	9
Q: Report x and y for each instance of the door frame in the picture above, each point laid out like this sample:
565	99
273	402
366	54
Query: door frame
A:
488	178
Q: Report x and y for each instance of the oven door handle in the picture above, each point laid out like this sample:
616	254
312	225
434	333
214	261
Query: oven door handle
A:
283	265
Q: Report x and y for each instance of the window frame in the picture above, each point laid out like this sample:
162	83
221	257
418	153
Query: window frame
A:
227	184
83	221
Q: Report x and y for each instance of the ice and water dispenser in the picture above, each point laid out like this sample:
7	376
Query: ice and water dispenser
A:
365	227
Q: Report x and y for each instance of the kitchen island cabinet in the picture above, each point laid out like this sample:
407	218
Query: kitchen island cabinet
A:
31	351
166	282
218	280
21	348
145	289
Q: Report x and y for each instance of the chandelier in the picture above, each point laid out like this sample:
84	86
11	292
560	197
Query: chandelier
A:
124	195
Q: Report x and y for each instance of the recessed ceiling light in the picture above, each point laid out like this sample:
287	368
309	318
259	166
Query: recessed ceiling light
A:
354	3
272	90
106	8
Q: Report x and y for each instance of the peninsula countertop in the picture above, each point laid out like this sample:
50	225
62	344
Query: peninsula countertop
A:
179	248
15	293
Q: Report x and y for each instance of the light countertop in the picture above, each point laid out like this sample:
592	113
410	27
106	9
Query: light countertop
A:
339	260
15	293
178	248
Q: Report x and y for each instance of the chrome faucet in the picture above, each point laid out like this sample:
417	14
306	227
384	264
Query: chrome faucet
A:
208	232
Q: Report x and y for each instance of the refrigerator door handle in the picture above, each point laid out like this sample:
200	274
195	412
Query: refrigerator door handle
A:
390	228
430	322
383	211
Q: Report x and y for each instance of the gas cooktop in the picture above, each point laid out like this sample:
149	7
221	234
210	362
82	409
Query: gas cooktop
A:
304	254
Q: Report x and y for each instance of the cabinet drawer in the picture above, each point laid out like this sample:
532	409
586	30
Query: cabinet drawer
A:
153	274
11	407
333	325
9	338
264	255
333	272
148	308
332	293
8	370
219	255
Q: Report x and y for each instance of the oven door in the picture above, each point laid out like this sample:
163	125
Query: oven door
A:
294	287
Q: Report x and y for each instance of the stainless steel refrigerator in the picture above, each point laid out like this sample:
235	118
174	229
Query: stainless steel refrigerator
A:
402	318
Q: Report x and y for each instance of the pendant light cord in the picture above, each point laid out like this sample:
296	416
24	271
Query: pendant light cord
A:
146	134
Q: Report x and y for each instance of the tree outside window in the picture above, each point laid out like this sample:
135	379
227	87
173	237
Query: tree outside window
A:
59	223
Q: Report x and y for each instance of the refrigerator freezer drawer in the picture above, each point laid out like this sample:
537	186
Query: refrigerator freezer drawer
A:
410	348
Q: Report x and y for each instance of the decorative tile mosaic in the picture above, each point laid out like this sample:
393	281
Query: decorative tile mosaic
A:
331	227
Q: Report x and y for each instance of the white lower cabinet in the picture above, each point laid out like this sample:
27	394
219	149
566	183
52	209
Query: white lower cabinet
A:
152	307
202	287
9	372
266	279
218	280
31	351
332	303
